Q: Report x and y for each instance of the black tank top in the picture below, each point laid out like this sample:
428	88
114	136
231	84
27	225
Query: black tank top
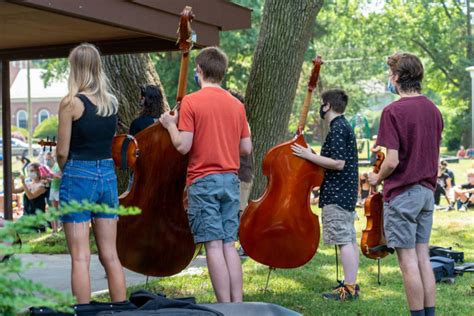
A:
91	135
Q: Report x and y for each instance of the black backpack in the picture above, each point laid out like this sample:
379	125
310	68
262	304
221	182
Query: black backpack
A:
457	256
141	303
158	304
443	268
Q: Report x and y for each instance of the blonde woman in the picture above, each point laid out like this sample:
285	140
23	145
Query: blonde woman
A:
87	124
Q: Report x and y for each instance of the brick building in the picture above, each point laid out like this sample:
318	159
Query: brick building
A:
44	100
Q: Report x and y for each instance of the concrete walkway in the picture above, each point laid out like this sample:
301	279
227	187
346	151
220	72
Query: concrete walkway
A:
54	271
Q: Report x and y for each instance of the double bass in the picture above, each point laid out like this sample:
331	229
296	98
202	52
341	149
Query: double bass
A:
158	242
373	244
279	229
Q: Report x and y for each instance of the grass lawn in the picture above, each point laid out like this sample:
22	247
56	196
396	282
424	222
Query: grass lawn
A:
48	243
300	289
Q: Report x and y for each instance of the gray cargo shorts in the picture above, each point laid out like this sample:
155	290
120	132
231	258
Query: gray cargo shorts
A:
408	217
338	225
213	207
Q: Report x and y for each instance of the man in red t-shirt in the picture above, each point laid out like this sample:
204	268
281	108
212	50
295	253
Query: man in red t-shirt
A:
410	129
213	129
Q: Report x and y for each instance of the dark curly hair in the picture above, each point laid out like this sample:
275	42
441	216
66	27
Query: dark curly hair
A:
153	103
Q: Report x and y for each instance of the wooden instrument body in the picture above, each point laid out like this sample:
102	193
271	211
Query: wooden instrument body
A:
131	154
373	235
158	242
279	229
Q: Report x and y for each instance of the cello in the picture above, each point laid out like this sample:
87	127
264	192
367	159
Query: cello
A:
373	244
158	242
279	229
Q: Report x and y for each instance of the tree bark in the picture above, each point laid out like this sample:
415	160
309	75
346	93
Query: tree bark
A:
126	73
284	37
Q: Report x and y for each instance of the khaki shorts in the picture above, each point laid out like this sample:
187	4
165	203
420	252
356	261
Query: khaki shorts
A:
338	225
408	218
245	188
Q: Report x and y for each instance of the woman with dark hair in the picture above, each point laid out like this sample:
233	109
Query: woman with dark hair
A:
35	191
152	107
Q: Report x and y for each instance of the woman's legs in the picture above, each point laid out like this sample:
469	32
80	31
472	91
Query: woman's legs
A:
77	236
105	231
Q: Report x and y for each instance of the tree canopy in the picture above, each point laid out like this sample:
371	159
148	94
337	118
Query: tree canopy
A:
355	37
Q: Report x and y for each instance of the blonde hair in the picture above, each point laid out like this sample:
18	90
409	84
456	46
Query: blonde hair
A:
87	77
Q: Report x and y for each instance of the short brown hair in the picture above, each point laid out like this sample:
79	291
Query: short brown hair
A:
213	63
409	70
336	98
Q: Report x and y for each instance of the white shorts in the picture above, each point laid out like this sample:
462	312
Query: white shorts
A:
54	195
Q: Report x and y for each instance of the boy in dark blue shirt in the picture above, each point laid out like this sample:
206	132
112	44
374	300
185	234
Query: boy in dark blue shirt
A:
338	194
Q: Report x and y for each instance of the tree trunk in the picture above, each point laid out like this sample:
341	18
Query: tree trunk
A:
284	37
126	73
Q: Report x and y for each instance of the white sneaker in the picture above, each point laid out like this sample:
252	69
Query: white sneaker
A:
462	209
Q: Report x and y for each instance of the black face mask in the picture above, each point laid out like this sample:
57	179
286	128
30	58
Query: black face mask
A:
322	114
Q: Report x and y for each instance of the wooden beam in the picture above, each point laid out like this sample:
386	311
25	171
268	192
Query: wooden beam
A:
7	139
114	47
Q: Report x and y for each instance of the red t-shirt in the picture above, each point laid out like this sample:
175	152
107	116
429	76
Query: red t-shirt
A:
218	123
413	126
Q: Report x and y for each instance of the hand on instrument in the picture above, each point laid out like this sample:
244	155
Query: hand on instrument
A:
373	178
300	151
167	119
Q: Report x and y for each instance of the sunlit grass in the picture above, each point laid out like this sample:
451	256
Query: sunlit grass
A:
300	289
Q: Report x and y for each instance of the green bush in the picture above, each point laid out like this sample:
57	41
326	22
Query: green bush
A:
47	128
14	129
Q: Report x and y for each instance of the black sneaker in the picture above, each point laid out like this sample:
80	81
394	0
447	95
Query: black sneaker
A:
341	293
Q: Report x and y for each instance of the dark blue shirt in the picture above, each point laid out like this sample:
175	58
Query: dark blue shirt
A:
340	187
140	123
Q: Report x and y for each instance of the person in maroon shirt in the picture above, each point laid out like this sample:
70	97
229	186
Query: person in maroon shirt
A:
410	129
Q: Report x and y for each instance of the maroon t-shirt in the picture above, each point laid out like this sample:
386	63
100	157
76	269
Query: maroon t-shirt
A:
413	126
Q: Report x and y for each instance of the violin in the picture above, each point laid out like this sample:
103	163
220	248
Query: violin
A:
158	242
45	143
373	244
279	229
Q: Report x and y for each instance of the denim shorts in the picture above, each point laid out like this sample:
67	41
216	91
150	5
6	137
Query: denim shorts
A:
213	210
94	181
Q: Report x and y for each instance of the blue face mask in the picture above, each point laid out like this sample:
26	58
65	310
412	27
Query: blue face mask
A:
391	88
196	79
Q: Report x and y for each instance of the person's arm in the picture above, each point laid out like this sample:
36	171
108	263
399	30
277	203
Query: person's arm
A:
16	190
336	140
182	140
325	162
245	146
388	166
64	133
448	184
33	194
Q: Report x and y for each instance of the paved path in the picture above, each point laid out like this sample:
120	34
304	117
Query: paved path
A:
54	271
